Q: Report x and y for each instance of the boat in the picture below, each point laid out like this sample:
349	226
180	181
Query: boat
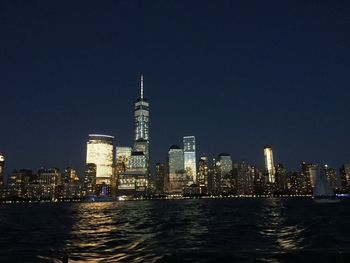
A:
323	192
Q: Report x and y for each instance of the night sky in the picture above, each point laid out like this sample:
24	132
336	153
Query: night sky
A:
236	74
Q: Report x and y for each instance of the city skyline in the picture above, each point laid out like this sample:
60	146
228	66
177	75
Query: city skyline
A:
141	143
122	171
222	74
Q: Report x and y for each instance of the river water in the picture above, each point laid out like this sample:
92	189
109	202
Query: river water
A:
194	230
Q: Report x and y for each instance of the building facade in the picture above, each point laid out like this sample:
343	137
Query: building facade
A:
141	119
331	175
202	175
224	173
176	175
123	155
100	152
190	162
345	177
269	164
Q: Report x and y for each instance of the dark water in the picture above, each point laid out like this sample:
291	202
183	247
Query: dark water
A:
220	230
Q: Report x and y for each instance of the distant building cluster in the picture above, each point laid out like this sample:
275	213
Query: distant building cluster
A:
46	185
112	170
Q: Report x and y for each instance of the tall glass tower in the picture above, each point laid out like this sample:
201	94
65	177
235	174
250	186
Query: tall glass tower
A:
141	115
190	158
176	173
100	152
269	164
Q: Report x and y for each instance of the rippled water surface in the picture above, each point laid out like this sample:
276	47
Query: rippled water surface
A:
215	230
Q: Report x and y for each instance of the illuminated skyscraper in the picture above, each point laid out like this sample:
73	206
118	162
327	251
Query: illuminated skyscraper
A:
224	162
135	180
70	176
49	180
100	152
176	171
70	183
2	167
123	155
19	182
202	177
308	176
141	115
190	158
223	172
269	164
138	162
90	179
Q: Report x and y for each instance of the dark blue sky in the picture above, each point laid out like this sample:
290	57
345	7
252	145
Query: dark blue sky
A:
236	74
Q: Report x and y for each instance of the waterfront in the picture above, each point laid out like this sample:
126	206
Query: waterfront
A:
193	230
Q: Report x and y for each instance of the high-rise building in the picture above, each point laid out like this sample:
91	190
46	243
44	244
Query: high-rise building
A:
159	179
281	179
225	162
331	176
243	178
122	159
2	167
100	152
259	182
135	180
345	177
90	179
141	116
19	183
269	164
49	180
190	158
70	176
308	176
176	176
123	155
70	184
202	175
224	173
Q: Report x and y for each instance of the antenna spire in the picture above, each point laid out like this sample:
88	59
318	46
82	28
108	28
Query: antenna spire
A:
141	86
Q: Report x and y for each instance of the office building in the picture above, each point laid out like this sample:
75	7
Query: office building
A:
224	173
331	176
281	179
70	184
176	175
345	177
202	175
308	177
90	179
190	164
49	181
123	155
159	178
100	152
269	164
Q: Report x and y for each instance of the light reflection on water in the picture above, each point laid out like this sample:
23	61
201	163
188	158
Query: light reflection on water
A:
233	230
285	238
